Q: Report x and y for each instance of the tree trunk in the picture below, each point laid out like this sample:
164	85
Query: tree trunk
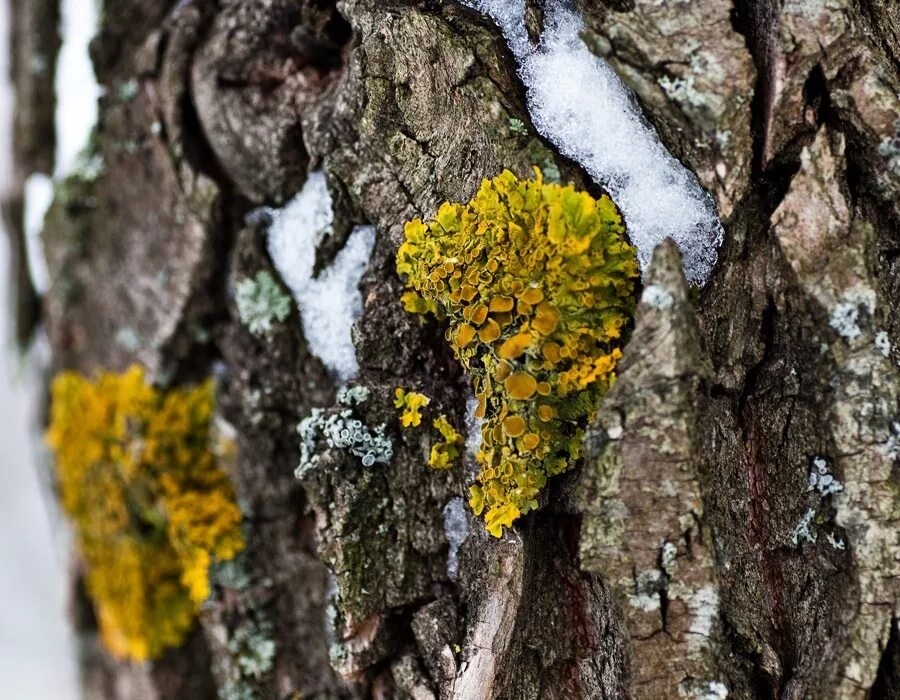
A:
732	527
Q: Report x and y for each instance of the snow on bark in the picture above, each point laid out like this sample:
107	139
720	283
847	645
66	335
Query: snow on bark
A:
579	103
77	90
38	196
331	302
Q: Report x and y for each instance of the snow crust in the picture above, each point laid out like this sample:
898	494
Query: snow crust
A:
330	303
38	197
456	530
579	103
77	90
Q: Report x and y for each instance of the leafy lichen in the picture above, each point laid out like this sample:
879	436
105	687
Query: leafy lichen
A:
250	658
536	282
444	453
340	431
152	508
261	302
410	404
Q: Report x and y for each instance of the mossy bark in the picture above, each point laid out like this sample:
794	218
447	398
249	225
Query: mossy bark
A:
670	562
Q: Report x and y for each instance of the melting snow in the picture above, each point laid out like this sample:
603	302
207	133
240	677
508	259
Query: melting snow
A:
77	90
456	529
579	103
38	197
330	303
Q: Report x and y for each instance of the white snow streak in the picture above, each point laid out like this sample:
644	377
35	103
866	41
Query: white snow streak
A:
38	196
579	103
77	93
330	303
77	90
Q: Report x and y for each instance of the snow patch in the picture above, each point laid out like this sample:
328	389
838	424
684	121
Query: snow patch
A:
473	437
456	530
473	427
330	303
77	90
38	197
579	103
702	690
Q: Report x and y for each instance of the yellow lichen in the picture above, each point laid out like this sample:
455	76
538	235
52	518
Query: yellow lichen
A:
152	508
536	282
444	454
410	404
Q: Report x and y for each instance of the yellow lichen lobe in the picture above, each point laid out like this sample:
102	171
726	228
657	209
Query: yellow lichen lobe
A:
152	508
536	282
410	404
444	453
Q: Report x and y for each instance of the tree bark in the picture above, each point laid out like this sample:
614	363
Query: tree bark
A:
689	553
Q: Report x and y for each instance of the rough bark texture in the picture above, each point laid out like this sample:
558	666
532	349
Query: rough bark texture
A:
673	561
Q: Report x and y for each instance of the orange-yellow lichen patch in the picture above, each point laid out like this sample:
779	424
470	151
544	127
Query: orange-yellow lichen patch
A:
465	334
138	475
444	453
530	441
520	385
515	346
514	426
410	404
536	282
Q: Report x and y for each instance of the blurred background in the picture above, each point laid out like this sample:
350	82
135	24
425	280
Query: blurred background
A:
37	649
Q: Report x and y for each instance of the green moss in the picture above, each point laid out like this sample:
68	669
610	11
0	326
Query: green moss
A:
536	282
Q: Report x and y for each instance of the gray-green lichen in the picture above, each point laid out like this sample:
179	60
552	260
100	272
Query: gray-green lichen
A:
890	149
696	689
231	574
343	432
261	302
517	126
251	655
128	338
353	395
127	90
